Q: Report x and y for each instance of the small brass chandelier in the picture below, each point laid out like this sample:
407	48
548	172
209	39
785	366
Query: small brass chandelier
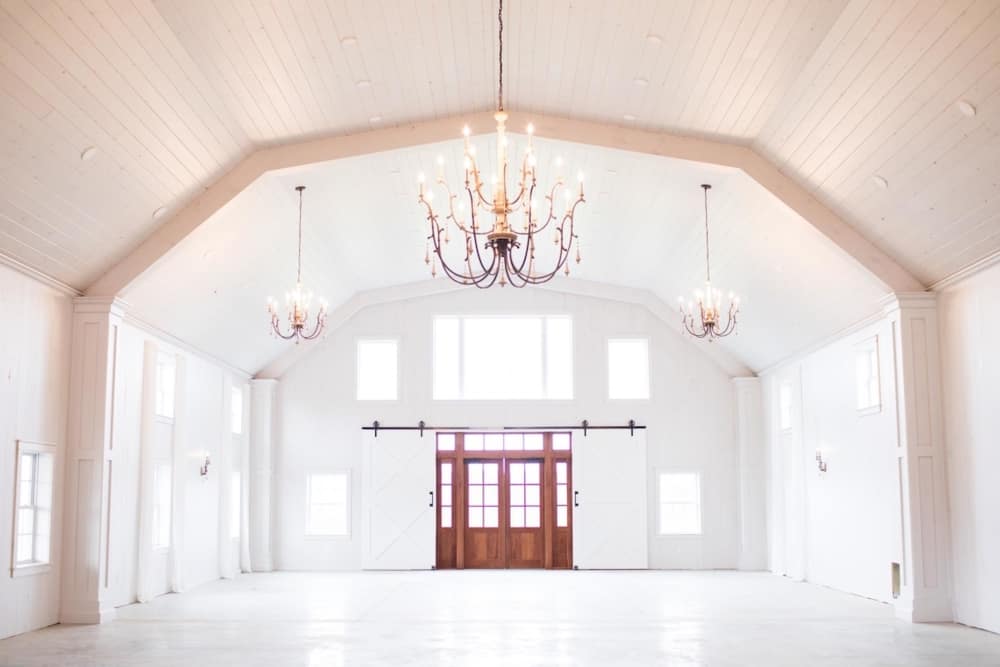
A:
706	321
503	252
298	300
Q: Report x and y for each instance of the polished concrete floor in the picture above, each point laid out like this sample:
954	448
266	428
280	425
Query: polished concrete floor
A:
506	618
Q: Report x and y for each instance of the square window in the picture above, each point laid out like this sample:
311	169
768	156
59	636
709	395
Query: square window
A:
628	368
446	442
378	372
166	376
328	504
680	503
867	375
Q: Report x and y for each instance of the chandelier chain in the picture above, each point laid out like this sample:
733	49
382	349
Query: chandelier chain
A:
500	93
298	274
708	262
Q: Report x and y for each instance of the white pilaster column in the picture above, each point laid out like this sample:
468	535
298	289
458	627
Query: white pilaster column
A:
262	395
925	592
752	467
90	461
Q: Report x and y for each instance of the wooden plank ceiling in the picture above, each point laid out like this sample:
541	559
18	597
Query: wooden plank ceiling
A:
170	94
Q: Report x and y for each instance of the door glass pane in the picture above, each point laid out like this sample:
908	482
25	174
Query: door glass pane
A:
475	473
534	441
532	473
491	517
475	495
475	517
561	472
446	473
491	473
562	517
517	517
532	517
516	473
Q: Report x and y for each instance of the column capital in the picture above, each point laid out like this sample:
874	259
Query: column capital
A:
898	301
101	305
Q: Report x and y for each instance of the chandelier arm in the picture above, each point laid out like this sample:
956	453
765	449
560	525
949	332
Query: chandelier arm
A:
552	216
276	326
317	330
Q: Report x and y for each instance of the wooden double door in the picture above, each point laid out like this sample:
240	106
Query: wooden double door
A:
504	501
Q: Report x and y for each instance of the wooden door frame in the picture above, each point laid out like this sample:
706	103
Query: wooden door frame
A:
458	457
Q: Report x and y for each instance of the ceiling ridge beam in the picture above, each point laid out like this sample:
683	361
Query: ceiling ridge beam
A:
664	144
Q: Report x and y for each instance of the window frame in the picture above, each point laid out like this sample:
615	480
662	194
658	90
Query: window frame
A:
357	368
697	504
649	367
37	450
308	532
543	317
870	348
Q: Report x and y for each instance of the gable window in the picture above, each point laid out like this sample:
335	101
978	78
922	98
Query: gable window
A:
867	375
327	511
785	406
680	503
33	505
539	367
378	370
166	372
628	368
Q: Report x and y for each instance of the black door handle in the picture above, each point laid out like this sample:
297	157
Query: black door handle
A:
576	499
432	498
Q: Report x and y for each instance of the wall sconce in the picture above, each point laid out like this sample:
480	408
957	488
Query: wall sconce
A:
204	467
820	463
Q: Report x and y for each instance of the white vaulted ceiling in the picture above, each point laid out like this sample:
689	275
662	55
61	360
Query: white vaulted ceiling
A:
172	94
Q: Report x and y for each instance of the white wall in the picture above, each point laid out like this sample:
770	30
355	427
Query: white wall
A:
839	528
35	330
202	425
691	416
970	330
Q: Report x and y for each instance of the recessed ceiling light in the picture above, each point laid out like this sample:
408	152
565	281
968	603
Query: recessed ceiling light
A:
375	119
967	108
629	117
653	38
159	213
364	83
88	153
880	182
641	82
350	40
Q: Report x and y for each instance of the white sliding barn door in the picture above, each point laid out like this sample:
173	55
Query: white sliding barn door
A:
399	476
609	482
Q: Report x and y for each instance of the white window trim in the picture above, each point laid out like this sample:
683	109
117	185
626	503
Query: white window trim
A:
869	345
347	506
649	368
545	361
33	568
660	504
168	419
357	367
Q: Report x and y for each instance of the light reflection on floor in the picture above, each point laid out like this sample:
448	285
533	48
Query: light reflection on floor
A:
506	619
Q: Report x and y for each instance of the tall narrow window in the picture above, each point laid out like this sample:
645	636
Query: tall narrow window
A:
680	503
465	354
236	411
562	494
166	371
446	494
785	406
867	376
234	506
327	512
628	368
162	497
33	517
378	372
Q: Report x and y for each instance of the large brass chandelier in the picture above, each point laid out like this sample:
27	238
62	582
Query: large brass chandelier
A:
298	301
502	252
705	321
